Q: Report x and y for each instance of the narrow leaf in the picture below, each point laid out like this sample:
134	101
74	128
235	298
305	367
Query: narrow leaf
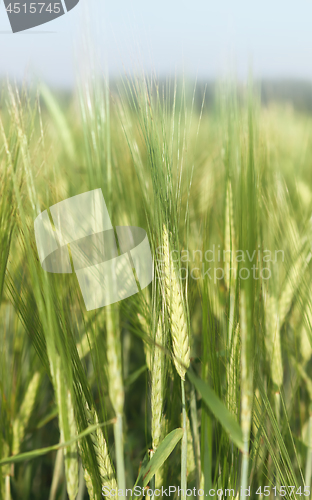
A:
135	375
215	405
43	451
162	453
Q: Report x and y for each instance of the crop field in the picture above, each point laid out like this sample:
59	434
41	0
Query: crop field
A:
200	384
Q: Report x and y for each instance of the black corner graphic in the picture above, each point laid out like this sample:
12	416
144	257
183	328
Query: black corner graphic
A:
70	4
29	14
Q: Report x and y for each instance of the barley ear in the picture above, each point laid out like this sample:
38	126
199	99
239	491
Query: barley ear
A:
306	378
147	347
71	455
176	309
290	287
88	476
22	419
229	238
89	485
273	339
157	386
101	451
305	343
231	373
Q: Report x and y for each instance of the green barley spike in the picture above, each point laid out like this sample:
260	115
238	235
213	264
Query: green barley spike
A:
273	339
290	288
101	451
147	347
229	238
21	422
305	342
175	304
232	374
157	386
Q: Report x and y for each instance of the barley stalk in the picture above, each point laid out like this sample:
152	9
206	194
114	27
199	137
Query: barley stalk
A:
308	382
57	473
7	488
71	455
116	391
191	466
195	433
115	381
157	377
184	445
246	394
308	470
5	473
67	420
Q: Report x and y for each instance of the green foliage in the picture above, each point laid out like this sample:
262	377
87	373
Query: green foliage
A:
227	187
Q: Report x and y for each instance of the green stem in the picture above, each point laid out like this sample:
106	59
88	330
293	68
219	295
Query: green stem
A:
183	446
194	422
308	471
231	317
278	413
82	485
7	482
244	474
153	480
121	477
57	473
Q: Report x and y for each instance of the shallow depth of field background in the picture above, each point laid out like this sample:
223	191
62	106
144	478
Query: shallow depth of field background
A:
195	120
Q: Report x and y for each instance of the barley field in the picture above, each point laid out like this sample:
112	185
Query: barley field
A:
201	381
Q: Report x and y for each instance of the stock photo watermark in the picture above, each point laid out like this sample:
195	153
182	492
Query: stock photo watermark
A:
83	225
260	492
216	264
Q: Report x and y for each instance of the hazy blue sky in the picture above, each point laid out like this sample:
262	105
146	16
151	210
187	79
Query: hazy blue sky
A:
198	37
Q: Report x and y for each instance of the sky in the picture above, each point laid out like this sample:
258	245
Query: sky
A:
198	38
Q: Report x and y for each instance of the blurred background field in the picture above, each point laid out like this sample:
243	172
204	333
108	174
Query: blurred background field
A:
234	174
